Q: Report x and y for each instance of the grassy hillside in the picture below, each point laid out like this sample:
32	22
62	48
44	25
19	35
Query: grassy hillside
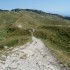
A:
54	30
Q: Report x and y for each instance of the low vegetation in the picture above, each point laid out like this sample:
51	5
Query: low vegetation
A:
57	39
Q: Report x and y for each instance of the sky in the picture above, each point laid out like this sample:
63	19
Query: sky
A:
61	7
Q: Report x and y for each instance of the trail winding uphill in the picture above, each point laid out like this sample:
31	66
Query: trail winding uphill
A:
31	56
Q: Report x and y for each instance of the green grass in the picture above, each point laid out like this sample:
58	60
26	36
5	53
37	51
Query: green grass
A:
14	41
58	39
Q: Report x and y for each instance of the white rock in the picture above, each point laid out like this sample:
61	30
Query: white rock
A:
20	26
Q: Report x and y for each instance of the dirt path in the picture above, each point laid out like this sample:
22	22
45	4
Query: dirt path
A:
32	56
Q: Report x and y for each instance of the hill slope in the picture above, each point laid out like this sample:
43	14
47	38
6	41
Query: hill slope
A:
54	31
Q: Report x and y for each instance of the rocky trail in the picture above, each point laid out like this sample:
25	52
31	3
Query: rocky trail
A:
31	56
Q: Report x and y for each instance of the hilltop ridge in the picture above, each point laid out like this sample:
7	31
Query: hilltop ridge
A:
54	30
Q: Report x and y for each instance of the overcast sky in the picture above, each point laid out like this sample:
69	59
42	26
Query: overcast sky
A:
51	6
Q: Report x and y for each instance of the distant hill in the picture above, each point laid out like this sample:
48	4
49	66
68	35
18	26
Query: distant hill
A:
35	11
53	29
68	18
